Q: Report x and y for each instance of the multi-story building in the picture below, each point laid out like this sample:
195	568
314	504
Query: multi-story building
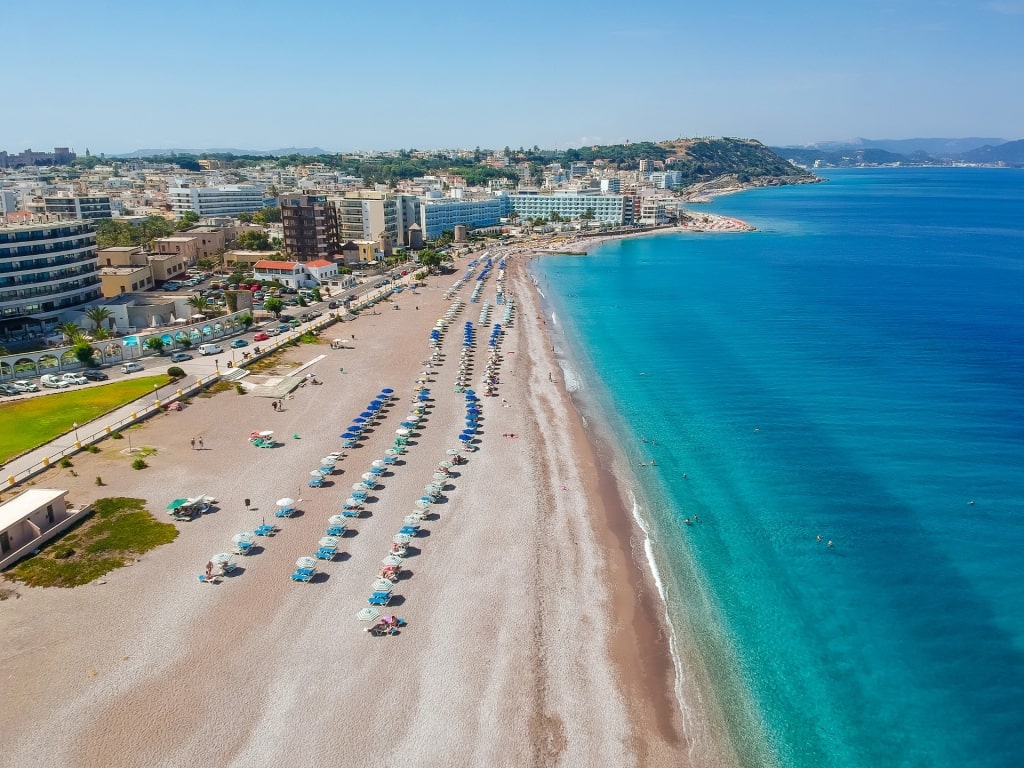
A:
310	226
78	207
366	214
439	215
45	270
229	200
611	186
609	209
666	179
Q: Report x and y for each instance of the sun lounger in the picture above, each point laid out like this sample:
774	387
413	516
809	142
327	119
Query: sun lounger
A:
304	575
410	530
379	598
326	553
351	512
336	530
285	512
266	530
243	548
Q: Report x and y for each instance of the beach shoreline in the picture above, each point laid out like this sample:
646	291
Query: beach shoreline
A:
529	640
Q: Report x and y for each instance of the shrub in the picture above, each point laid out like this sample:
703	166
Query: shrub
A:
239	388
65	462
99	480
175	372
139	464
92	448
117	436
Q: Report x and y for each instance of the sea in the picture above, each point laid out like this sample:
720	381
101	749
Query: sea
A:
834	405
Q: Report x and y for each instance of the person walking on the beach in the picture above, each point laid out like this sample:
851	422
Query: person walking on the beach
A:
200	442
193	443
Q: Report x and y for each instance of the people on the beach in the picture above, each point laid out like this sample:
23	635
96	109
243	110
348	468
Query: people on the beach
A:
193	443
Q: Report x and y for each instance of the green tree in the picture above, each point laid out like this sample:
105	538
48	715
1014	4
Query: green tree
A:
253	240
267	215
97	316
245	217
201	305
274	305
72	332
431	259
84	352
188	219
155	343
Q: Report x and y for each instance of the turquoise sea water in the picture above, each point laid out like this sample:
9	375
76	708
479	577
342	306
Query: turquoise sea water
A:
855	369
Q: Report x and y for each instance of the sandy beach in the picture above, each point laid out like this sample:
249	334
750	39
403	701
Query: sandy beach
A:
535	636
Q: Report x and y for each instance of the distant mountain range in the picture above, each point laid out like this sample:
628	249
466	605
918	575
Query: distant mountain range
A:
254	152
859	151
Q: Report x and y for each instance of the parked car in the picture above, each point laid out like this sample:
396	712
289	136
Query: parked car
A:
180	357
283	328
94	375
210	349
75	378
261	336
54	382
271	332
332	305
132	367
9	389
315	314
25	386
239	343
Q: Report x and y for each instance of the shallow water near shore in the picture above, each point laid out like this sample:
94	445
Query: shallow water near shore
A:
852	370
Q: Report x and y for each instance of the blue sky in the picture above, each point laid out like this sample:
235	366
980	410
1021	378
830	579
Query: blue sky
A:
115	76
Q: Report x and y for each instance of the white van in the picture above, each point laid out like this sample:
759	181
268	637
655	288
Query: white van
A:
210	349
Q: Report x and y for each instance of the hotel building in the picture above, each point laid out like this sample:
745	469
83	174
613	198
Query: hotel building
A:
438	215
45	270
228	200
609	209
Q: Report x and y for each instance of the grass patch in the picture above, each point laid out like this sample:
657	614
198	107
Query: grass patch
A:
118	530
27	424
216	388
310	338
268	364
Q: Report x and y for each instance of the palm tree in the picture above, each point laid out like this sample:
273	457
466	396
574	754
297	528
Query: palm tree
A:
97	316
72	332
201	305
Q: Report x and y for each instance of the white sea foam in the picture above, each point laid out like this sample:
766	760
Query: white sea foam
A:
677	662
573	383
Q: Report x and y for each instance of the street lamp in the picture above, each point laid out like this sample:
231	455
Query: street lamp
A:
75	427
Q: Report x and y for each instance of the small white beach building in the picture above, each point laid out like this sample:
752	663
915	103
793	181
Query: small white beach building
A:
30	520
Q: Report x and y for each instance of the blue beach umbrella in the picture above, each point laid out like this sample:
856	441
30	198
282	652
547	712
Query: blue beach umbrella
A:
387	391
359	420
366	415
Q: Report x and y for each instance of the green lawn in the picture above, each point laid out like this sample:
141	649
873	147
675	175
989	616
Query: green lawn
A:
29	423
118	530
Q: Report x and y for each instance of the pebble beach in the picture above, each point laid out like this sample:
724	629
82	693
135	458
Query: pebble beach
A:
533	635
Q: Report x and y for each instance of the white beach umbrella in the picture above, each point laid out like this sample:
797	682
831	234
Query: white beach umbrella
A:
452	451
369	477
439	476
368	614
382	585
243	538
329	541
392	560
317	472
266	433
360	487
378	463
305	562
403	432
401	538
328	461
412	519
391	452
446	465
336	520
221	558
352	503
285	502
422	504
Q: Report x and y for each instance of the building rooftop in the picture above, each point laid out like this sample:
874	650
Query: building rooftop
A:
25	504
122	270
320	263
269	264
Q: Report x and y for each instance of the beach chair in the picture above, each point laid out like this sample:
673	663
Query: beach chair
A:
354	512
285	512
336	530
410	530
304	575
316	482
379	598
266	530
243	548
325	553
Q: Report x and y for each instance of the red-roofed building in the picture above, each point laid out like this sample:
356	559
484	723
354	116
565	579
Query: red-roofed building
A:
322	270
288	273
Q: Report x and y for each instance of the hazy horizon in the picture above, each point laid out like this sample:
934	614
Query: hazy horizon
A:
117	77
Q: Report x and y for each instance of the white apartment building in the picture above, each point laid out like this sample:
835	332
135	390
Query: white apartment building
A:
228	200
366	214
609	209
438	215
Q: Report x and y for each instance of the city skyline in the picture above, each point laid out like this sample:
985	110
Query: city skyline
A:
464	75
